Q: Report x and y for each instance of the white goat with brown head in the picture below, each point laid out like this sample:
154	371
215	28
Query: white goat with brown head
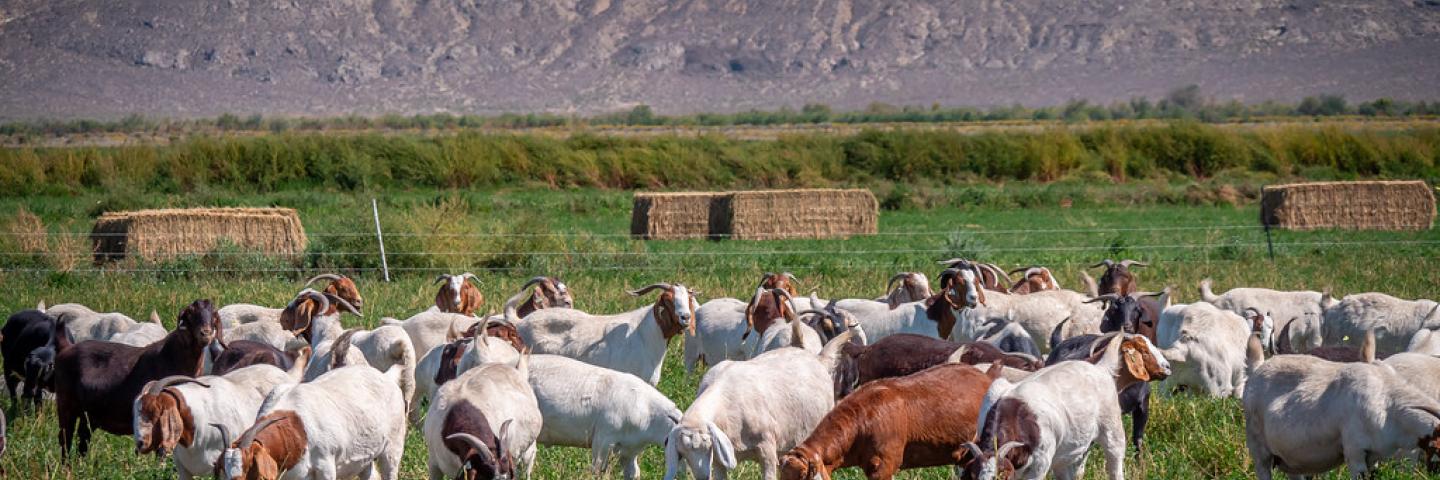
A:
633	342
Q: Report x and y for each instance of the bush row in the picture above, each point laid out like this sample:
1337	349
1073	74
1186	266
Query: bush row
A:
469	159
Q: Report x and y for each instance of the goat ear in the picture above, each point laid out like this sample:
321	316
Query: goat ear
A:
1134	362
265	467
996	369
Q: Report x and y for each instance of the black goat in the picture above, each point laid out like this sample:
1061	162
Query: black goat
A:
28	347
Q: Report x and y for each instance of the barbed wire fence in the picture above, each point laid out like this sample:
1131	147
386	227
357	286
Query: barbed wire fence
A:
888	250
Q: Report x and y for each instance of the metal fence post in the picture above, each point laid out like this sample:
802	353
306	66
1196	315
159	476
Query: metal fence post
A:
380	237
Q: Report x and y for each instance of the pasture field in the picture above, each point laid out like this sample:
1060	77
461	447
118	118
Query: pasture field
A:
507	236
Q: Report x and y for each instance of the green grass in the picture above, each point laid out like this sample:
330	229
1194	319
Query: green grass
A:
579	235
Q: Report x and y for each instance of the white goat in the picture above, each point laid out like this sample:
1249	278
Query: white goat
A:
1207	347
142	333
781	335
176	413
1305	416
502	393
464	354
754	410
633	342
1308	307
348	423
86	324
1394	320
719	324
430	328
380	348
581	409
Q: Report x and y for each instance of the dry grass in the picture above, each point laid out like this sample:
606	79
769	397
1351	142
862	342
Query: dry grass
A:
1373	205
170	233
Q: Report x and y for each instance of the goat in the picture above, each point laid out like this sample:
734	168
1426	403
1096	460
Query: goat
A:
482	453
754	410
1038	313
1309	306
1394	320
27	344
86	324
142	333
905	354
448	361
914	287
457	295
1134	399
171	413
244	353
920	420
503	394
1207	345
96	381
432	328
380	348
785	281
990	276
633	342
1008	337
1305	416
719	324
1036	278
306	311
549	292
765	307
1424	341
340	286
1118	278
781	335
349	422
1127	313
1049	420
1421	372
579	408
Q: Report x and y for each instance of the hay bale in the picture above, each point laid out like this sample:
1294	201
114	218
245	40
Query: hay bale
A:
1371	205
168	233
671	216
813	213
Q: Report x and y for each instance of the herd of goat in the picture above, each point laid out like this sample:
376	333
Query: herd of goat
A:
975	373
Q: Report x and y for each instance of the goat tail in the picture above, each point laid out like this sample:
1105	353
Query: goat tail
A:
1206	294
1254	354
391	321
403	354
510	307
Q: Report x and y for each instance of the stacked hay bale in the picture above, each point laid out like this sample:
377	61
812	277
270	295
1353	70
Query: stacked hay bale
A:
1369	205
169	233
816	213
755	215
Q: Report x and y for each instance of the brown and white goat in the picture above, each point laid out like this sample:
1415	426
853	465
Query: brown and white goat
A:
921	420
95	382
481	451
765	307
1034	279
990	276
457	294
785	281
548	292
914	286
299	317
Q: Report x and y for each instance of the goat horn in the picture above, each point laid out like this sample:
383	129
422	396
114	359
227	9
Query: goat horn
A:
485	454
1132	263
951	261
958	354
249	435
224	433
471	276
1252	312
442	277
1004	449
891	284
1107	263
791	276
311	294
532	282
452	334
1109	297
324	276
1149	294
1022	269
1102	342
646	289
975	452
155	387
348	307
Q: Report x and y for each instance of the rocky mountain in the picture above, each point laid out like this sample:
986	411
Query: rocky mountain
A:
79	58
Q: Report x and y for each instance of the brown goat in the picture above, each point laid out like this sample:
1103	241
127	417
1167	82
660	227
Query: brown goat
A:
765	307
457	294
272	446
96	382
785	281
549	292
299	315
922	420
340	287
1035	279
1118	278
